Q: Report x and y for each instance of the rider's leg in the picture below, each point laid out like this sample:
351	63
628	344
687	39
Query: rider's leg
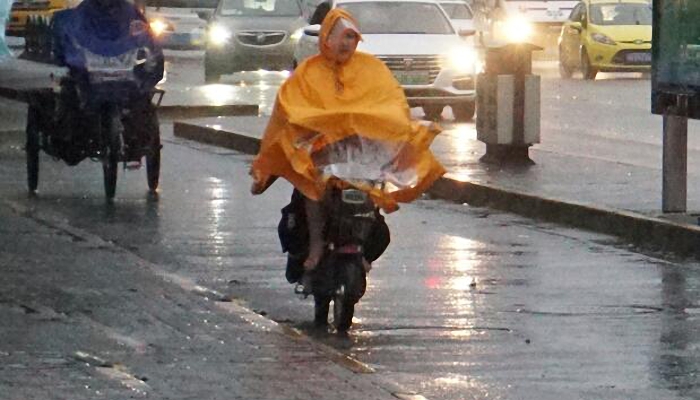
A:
315	220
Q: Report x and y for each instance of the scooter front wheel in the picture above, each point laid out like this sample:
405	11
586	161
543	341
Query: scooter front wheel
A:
343	312
321	307
352	283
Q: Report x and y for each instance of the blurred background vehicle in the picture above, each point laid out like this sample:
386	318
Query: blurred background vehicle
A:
26	10
461	15
532	21
177	23
419	44
602	35
248	35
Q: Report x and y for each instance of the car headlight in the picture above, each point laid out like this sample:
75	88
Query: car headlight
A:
218	35
158	26
517	30
464	60
297	34
600	38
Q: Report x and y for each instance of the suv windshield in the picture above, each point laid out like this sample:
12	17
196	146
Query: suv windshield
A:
621	14
258	8
457	11
182	3
399	17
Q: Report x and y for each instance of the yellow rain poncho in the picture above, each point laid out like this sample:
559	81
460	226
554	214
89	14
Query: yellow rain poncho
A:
327	113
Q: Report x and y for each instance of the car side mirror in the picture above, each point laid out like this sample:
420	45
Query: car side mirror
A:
466	32
584	22
204	14
312	30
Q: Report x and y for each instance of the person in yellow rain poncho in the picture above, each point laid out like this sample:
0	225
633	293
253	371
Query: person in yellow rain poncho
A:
336	106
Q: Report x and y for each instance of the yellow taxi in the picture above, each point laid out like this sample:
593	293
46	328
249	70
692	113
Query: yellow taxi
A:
24	10
607	36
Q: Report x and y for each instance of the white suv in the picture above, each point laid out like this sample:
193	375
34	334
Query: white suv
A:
416	40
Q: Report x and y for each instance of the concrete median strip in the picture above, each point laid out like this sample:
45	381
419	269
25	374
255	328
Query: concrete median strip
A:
650	232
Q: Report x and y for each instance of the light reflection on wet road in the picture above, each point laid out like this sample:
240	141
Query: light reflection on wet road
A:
467	303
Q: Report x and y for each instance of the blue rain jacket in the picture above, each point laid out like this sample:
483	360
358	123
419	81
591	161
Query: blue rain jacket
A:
107	32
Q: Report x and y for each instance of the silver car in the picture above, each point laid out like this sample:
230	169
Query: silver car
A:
430	59
177	24
248	35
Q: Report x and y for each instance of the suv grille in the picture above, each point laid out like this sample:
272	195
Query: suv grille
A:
431	64
261	38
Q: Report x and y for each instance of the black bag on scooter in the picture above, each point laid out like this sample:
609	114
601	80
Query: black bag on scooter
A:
293	233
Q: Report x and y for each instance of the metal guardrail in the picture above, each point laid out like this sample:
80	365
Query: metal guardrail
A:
38	41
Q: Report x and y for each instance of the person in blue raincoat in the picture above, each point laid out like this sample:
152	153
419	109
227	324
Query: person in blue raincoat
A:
5	6
108	28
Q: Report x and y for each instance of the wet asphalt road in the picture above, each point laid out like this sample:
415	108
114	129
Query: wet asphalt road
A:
467	303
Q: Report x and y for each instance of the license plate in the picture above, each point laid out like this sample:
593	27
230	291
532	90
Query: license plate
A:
412	77
638	58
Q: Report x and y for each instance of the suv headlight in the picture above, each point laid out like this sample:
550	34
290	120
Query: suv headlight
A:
464	60
218	35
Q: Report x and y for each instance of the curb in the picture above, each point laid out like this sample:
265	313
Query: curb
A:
15	136
188	112
230	140
652	233
655	234
167	111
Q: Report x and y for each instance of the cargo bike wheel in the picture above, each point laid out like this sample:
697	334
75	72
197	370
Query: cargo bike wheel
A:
153	155
113	129
153	169
32	149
